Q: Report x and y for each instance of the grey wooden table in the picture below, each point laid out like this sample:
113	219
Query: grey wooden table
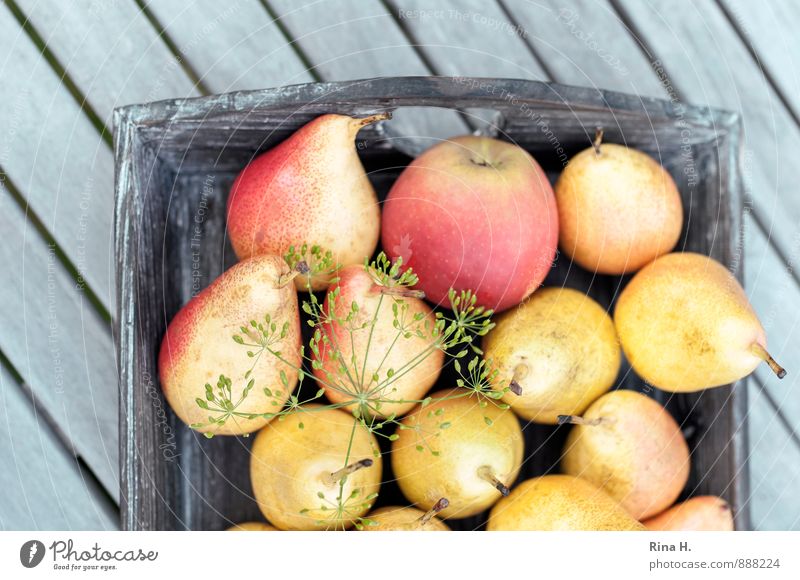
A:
65	66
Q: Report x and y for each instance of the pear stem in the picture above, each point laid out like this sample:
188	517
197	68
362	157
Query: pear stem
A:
402	291
520	372
332	479
762	353
300	268
576	420
598	139
487	473
437	507
363	122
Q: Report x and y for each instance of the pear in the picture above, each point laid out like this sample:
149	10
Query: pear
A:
313	189
705	513
458	448
557	352
363	343
618	209
629	445
407	519
252	527
685	325
307	474
198	347
559	503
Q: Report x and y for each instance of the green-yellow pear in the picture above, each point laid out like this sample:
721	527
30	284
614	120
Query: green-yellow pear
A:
456	448
559	503
629	445
307	474
557	352
407	519
685	324
618	209
252	527
705	513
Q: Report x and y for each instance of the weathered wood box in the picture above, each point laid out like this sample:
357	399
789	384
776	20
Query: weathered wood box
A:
175	161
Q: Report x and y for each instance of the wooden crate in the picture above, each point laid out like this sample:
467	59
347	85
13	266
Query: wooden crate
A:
175	161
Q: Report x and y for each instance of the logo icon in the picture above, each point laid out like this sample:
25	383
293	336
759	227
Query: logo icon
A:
31	553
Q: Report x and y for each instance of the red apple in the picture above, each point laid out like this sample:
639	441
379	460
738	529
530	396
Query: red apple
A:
473	213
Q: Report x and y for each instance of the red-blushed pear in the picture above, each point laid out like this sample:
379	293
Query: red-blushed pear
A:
473	213
380	351
559	503
685	324
618	209
705	513
311	189
627	444
209	379
317	469
457	447
407	519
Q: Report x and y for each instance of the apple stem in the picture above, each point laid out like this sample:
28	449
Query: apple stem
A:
333	478
300	268
402	291
762	353
364	121
598	138
487	473
437	507
520	372
576	420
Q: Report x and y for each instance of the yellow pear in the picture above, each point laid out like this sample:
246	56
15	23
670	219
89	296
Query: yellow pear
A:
457	448
407	519
618	209
557	352
307	474
629	445
685	325
559	502
252	527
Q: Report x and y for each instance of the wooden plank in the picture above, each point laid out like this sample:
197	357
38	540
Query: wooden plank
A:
707	62
346	47
55	156
467	35
583	43
57	341
774	468
770	30
110	51
43	487
232	45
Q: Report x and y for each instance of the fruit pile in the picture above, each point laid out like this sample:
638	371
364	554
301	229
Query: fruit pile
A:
468	232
